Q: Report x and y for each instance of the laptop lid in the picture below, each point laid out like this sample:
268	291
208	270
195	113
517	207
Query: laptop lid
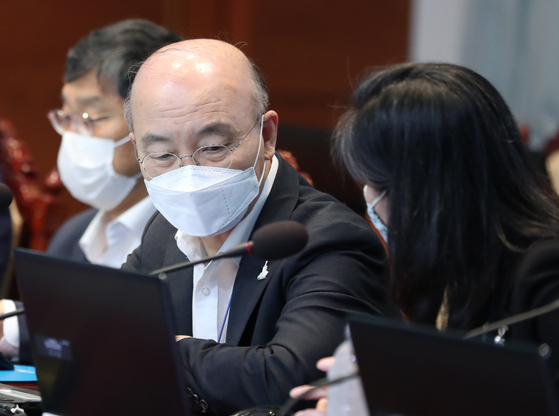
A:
415	371
13	398
102	339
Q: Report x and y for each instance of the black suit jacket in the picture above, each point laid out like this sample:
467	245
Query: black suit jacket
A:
527	286
280	326
65	241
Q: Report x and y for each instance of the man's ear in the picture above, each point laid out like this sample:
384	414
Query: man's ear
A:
132	138
270	133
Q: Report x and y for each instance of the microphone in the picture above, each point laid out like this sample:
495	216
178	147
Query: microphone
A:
524	316
6	197
272	242
542	257
20	311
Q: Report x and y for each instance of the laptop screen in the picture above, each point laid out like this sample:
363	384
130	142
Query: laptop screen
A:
102	339
413	371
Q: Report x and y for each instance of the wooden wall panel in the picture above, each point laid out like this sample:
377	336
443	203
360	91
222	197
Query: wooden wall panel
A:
34	38
310	51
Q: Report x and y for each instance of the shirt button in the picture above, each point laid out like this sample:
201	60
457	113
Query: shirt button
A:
206	291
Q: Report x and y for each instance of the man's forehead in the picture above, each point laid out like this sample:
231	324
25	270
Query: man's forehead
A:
180	85
199	98
197	62
87	91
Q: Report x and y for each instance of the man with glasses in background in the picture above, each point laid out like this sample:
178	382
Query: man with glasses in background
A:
248	330
96	158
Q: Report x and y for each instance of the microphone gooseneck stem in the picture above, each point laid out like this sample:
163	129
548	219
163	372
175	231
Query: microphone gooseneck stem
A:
242	249
180	266
513	320
20	311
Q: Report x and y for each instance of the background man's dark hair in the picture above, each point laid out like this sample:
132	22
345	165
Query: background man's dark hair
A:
112	50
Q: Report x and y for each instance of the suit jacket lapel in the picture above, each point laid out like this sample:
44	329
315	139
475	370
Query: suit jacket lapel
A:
248	289
180	286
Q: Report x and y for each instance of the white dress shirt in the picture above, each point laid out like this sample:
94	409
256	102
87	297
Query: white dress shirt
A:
213	282
103	243
110	243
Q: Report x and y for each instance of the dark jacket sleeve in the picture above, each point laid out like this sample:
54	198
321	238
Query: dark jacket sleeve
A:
319	292
537	284
300	315
300	319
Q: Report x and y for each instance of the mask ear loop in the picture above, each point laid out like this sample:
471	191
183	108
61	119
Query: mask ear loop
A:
378	198
122	141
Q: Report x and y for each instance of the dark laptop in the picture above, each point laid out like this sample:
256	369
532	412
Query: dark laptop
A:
412	371
102	339
14	400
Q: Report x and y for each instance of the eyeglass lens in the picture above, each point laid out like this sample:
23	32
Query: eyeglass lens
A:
219	156
70	122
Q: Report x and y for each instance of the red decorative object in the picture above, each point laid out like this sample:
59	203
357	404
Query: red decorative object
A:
40	211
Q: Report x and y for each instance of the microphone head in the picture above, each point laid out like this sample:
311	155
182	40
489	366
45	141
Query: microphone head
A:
278	240
6	197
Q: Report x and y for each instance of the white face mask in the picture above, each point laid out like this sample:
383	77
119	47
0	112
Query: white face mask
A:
85	165
375	219
203	201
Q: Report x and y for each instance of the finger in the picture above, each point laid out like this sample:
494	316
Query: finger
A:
310	412
322	404
297	391
179	337
324	364
315	395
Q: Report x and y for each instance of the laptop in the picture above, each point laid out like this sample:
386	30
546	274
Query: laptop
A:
102	339
14	399
415	371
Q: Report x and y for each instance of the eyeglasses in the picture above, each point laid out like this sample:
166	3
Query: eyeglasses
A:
83	123
214	155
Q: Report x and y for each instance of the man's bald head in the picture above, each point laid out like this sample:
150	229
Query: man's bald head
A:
207	61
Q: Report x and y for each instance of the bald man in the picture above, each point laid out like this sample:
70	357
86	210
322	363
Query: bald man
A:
248	329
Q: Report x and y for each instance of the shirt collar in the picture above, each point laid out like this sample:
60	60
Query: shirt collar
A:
193	247
133	219
136	217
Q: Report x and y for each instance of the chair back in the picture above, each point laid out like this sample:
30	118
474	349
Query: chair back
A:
37	203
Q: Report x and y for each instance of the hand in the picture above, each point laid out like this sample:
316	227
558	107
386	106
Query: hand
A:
320	394
179	337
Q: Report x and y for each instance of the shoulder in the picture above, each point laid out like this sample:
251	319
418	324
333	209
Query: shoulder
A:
76	224
536	281
158	243
80	220
158	228
328	221
343	254
68	235
537	284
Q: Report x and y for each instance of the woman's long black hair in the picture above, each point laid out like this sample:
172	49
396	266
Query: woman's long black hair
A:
463	194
